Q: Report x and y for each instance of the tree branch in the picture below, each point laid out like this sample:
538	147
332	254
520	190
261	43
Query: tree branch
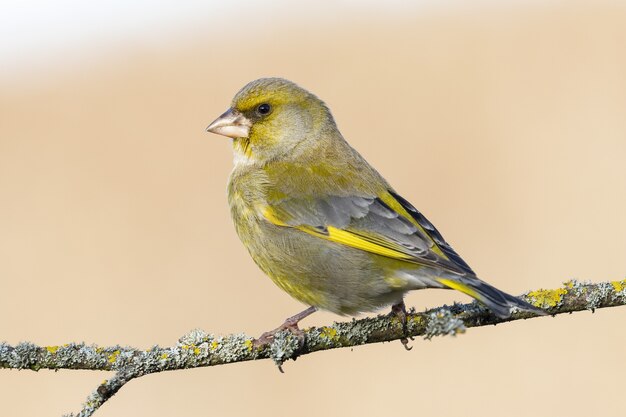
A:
199	349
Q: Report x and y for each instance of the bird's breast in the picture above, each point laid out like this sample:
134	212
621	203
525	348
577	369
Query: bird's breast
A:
247	190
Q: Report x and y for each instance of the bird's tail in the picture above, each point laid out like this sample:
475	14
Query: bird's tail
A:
499	302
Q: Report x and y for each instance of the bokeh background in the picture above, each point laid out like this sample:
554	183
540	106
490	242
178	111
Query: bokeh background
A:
504	122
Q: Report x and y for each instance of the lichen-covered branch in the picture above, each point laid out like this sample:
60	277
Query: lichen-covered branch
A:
198	348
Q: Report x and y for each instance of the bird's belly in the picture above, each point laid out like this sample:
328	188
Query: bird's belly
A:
318	272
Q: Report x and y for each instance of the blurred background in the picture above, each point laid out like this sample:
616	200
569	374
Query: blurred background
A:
503	122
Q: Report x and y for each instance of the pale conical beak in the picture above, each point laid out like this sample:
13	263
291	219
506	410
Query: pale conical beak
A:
232	124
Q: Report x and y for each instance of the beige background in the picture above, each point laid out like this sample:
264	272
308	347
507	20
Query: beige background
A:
506	126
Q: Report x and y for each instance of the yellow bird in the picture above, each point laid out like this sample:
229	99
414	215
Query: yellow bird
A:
321	222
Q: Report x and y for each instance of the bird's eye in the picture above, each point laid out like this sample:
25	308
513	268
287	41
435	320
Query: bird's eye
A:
264	109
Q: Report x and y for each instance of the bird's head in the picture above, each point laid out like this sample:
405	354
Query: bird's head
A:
269	117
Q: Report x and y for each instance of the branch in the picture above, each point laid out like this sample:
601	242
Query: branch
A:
199	349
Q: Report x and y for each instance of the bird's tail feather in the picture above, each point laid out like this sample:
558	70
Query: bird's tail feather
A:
499	302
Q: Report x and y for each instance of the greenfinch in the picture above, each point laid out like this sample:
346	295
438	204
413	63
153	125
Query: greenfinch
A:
321	222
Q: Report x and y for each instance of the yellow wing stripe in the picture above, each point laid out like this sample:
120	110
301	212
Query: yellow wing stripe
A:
268	213
366	243
356	241
455	285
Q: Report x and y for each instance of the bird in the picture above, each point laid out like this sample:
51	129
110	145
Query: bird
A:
321	222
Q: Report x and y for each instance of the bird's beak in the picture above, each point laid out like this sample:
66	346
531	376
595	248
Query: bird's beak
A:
232	124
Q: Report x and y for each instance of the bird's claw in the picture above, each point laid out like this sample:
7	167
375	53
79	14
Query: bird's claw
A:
405	343
399	310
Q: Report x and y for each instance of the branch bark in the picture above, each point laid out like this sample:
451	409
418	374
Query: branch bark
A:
199	349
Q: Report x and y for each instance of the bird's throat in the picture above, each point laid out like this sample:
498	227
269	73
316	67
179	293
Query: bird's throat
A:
242	151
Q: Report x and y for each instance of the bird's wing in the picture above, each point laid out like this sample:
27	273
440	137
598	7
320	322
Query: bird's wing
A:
386	225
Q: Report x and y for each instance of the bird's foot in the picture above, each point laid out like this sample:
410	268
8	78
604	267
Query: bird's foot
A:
291	325
268	337
399	310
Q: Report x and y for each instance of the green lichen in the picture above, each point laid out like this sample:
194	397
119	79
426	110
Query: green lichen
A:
113	356
414	322
547	298
249	344
328	333
619	288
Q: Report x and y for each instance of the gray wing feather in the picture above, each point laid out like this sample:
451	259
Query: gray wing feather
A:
435	235
368	215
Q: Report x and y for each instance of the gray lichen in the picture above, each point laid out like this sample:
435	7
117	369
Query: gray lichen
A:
285	346
194	337
442	322
600	293
198	348
576	286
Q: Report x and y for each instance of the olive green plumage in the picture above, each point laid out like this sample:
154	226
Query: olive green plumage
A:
320	221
